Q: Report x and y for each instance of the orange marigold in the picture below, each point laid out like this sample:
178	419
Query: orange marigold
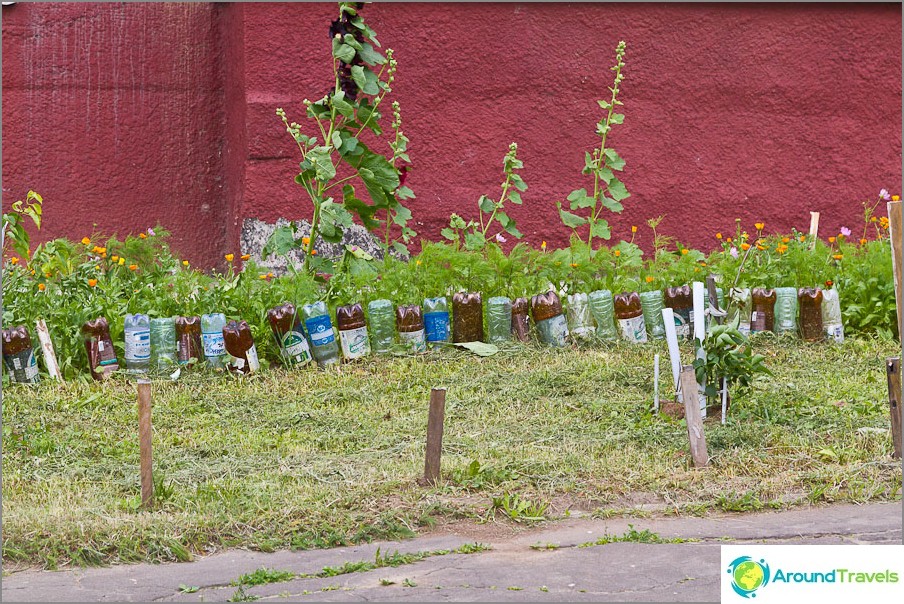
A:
92	282
41	287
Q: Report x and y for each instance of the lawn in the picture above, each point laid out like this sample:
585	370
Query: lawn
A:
315	459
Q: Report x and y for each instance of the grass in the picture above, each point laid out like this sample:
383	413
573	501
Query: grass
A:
632	535
312	459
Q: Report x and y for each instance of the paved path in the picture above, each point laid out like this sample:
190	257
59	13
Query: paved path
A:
554	569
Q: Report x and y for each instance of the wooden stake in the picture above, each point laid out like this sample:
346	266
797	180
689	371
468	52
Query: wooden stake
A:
50	360
435	419
814	229
692	416
893	365
713	297
656	383
895	231
144	443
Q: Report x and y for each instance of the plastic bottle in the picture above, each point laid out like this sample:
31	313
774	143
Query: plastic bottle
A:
831	315
629	314
762	310
290	337
138	342
651	305
410	323
320	330
212	339
602	308
188	340
163	342
381	317
810	303
785	310
681	301
720	305
551	324
19	356
101	355
580	321
240	345
352	331
467	317
436	319
499	320
520	319
739	306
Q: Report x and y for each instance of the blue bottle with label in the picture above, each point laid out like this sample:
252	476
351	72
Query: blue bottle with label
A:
212	339
436	319
320	330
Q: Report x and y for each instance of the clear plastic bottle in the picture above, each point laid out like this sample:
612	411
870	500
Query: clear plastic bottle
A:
786	310
352	331
580	321
467	317
410	323
381	316
549	319
739	306
19	356
629	314
436	319
163	343
290	337
240	345
520	319
602	308
651	305
831	315
320	329
499	319
138	342
810	302
212	339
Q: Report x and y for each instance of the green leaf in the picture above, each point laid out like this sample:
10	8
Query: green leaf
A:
342	106
343	52
378	175
365	79
336	140
402	215
281	241
404	193
589	163
350	40
611	204
617	118
515	197
334	219
474	241
580	199
349	144
479	348
401	248
604	104
486	204
570	220
370	56
600	228
613	160
605	174
449	234
364	210
320	159
519	183
617	190
512	230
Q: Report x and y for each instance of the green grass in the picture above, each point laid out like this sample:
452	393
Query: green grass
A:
264	575
318	459
632	535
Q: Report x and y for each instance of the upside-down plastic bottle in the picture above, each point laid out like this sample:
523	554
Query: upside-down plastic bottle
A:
551	324
352	331
762	309
499	320
629	314
212	339
831	315
410	323
436	319
240	344
101	355
786	310
520	319
19	355
580	320
163	342
189	349
810	302
602	307
381	317
320	330
467	317
137	330
290	337
681	300
651	305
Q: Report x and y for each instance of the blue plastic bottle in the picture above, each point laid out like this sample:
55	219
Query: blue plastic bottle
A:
320	330
436	319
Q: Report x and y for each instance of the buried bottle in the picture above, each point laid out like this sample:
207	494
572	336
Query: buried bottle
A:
286	327
580	321
410	323
163	342
786	310
382	325
467	317
320	331
831	315
137	330
551	324
352	331
810	302
240	345
436	319
629	314
101	355
651	305
19	355
189	349
499	320
212	339
520	319
739	305
681	301
762	310
602	307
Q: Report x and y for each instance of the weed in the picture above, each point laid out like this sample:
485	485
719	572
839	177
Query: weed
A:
188	589
634	536
240	595
518	509
263	575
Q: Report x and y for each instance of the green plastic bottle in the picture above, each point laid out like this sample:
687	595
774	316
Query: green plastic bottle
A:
580	320
381	317
786	310
163	342
651	304
602	308
499	319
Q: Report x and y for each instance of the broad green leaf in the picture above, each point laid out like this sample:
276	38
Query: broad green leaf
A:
401	248
336	140
281	241
570	220
617	118
515	197
350	40
604	104
320	159
605	174
365	79
512	230
342	106
611	204
613	160
343	52
334	219
370	56
364	210
519	183
449	234
402	215
589	163
617	190
580	199
357	252
486	204
349	144
404	193
600	228
479	348
474	241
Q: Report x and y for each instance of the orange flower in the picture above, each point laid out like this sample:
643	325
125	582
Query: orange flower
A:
702	263
786	239
263	276
782	249
633	229
246	256
133	267
48	274
760	247
745	246
574	265
92	282
14	260
873	219
41	287
229	257
649	278
86	241
759	225
103	254
114	258
728	239
269	275
313	252
831	240
617	253
306	240
896	198
543	246
803	237
718	235
863	242
684	252
142	235
838	256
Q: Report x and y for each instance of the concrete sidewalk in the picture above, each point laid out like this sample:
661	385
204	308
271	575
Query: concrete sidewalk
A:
543	564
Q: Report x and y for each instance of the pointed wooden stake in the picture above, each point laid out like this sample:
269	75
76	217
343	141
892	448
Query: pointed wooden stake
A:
144	443
693	418
435	419
893	366
50	360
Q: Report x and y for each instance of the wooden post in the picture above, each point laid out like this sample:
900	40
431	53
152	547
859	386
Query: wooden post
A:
692	416
814	229
895	232
435	419
893	365
50	360
144	443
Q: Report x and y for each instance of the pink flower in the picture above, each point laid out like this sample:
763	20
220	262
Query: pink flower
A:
151	232
733	252
500	238
884	195
846	231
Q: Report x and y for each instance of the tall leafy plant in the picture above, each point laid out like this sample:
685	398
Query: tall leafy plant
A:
338	157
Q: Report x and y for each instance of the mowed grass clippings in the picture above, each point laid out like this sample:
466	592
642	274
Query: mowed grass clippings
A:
307	458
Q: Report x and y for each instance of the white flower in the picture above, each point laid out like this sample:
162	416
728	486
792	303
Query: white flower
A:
500	238
734	252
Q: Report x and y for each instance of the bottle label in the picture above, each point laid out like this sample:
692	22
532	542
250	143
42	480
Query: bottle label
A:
106	354
744	328
138	345
214	344
414	340
682	322
23	367
436	325
253	362
835	331
295	348
634	329
354	342
321	330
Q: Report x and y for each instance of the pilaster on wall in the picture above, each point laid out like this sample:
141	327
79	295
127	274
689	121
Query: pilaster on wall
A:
234	142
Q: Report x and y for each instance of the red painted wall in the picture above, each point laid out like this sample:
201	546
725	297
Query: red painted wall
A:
124	115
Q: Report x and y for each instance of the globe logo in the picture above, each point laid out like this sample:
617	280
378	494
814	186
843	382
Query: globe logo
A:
748	575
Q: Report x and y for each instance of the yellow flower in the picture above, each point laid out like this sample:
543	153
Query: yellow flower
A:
896	198
728	239
684	252
759	225
263	276
782	249
306	240
142	235
633	229
246	257
838	256
543	246
86	241
14	260
803	237
92	282
418	263
269	275
718	235
574	265
702	263
32	271
873	219
185	263
831	240
229	257
863	242
103	254
114	258
649	278
617	253
48	274
121	261
745	246
97	266
41	287
133	267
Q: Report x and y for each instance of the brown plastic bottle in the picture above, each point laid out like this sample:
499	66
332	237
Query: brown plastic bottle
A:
240	344
188	340
101	355
19	355
681	301
352	331
809	301
520	320
629	316
467	317
286	327
546	310
410	325
762	310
